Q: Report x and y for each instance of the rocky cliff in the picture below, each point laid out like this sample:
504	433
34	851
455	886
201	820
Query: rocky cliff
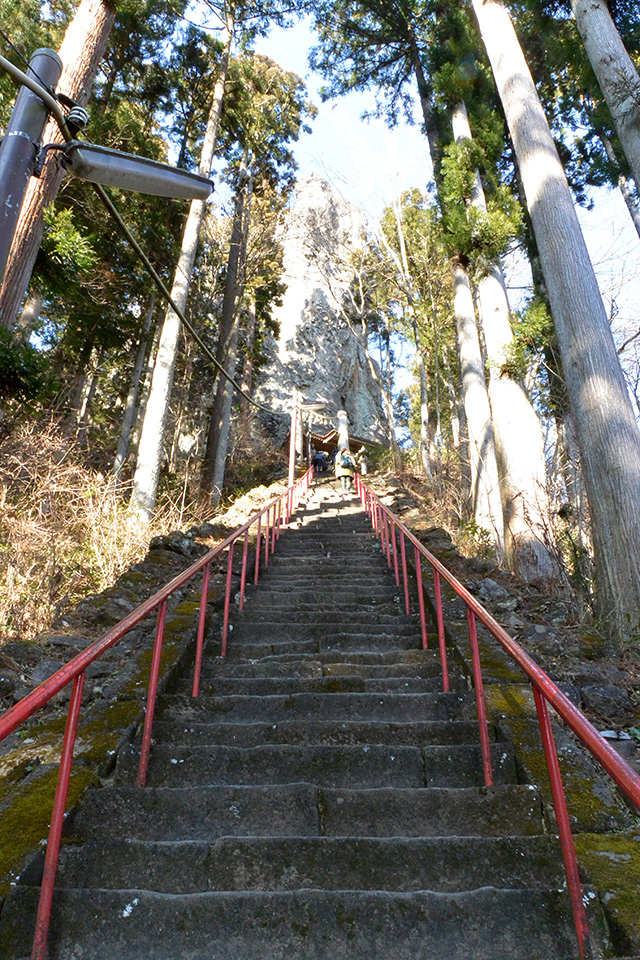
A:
316	351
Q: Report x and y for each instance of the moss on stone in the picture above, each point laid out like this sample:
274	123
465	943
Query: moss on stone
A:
612	863
25	818
591	802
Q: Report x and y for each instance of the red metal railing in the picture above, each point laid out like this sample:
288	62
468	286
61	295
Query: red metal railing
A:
545	692
75	670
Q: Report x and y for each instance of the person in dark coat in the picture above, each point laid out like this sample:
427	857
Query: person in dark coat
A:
345	469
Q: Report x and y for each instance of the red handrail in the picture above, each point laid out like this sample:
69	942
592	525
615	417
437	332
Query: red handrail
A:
545	692
74	672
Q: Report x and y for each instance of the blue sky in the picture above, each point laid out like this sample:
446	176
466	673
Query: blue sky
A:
370	164
364	160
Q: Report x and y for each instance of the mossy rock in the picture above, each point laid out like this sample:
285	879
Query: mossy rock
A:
591	799
25	817
612	863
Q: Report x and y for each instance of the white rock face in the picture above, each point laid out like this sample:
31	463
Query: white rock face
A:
316	351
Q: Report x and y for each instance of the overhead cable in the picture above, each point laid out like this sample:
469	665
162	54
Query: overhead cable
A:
54	108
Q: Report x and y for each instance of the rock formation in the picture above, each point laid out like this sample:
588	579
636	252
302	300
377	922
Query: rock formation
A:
316	350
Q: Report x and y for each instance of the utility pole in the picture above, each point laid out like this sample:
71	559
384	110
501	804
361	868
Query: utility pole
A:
343	430
295	416
21	144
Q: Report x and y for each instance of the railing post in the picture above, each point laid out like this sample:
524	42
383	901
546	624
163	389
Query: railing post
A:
279	518
243	575
256	572
387	538
151	696
564	827
405	578
227	598
200	635
395	552
39	951
480	704
423	619
441	638
267	531
274	527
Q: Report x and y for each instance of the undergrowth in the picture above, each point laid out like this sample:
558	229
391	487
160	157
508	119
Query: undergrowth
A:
64	531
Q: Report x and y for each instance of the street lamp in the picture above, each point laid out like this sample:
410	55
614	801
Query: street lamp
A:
112	168
21	155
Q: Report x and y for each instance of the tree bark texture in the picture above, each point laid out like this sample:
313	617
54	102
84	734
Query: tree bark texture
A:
517	429
608	435
244	419
81	51
615	72
145	481
132	395
626	188
485	487
30	315
228	337
424	405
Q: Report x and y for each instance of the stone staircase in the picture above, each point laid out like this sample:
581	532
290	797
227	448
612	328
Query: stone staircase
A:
322	799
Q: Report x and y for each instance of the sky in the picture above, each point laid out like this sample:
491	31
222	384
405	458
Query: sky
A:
364	160
369	164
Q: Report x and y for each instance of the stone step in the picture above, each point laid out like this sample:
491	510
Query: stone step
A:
390	707
197	813
347	580
500	810
258	686
384	657
426	666
485	924
329	622
453	765
309	566
287	608
444	864
323	590
318	732
322	630
300	809
350	644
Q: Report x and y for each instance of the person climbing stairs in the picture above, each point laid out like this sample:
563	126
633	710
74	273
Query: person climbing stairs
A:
322	799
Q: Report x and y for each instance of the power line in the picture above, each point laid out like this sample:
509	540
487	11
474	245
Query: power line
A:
165	292
54	107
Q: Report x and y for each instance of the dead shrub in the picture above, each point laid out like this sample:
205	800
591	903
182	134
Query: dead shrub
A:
64	531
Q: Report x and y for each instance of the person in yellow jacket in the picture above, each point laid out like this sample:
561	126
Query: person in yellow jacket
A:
345	469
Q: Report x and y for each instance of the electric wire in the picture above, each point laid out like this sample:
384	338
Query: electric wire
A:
25	60
54	107
167	295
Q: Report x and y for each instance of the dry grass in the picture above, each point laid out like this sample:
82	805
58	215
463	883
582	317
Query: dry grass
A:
63	531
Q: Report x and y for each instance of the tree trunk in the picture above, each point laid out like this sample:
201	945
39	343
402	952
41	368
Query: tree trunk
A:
517	429
428	115
485	488
146	390
91	385
424	406
81	51
229	329
615	72
145	481
132	396
607	432
244	420
30	315
626	189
